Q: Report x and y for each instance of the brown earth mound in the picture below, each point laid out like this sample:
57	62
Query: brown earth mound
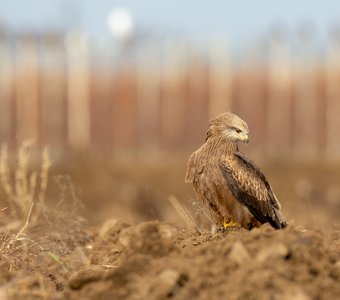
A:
155	260
159	261
64	258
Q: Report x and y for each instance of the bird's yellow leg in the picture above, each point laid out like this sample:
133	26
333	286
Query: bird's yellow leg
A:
231	223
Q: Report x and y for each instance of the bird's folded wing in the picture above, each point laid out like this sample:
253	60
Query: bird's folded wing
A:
250	187
194	168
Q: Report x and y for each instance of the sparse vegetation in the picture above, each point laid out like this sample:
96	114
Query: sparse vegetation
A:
31	230
47	251
24	191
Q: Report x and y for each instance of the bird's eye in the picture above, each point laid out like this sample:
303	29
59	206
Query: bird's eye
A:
238	130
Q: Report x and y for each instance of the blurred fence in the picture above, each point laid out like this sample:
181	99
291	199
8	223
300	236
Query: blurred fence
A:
75	94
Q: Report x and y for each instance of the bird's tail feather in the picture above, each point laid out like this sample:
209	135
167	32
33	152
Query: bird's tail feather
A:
280	218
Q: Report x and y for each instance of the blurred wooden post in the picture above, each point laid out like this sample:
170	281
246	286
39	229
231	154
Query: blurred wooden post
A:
6	91
53	93
279	118
250	102
333	98
220	78
27	89
172	104
197	99
148	97
125	109
78	90
102	81
306	125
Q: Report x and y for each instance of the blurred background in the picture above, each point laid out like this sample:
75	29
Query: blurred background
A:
121	92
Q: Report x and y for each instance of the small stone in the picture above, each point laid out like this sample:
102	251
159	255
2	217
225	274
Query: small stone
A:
239	253
147	238
111	227
167	283
334	246
3	294
85	276
125	236
294	293
168	231
272	251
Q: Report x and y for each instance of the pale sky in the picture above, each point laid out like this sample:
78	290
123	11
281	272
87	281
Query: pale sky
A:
239	20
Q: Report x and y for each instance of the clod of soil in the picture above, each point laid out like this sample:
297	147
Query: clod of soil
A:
156	260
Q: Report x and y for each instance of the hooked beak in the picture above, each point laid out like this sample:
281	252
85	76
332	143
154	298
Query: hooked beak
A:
244	138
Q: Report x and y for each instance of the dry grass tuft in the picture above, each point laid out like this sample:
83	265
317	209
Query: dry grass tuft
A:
29	228
24	189
184	213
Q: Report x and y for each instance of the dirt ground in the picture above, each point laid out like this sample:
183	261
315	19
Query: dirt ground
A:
125	240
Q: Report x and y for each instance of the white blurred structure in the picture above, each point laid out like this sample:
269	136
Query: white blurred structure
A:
121	25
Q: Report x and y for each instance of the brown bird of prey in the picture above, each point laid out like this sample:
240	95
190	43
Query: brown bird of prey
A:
229	185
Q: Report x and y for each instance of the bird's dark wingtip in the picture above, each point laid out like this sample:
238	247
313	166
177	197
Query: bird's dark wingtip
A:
278	225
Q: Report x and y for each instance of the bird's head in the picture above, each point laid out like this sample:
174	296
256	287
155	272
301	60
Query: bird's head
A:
228	126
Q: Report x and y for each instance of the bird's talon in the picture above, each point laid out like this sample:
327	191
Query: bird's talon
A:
230	224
